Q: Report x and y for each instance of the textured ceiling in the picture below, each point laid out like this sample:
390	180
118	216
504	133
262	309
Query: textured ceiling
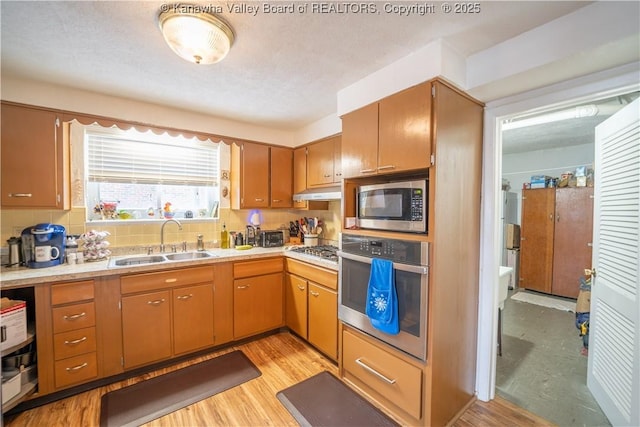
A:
283	71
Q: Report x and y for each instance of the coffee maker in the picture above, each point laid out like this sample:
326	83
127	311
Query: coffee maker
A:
43	245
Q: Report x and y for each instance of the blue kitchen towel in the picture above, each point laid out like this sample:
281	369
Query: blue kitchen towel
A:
382	299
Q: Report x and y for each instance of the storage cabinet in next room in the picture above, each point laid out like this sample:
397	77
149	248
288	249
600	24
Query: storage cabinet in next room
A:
556	235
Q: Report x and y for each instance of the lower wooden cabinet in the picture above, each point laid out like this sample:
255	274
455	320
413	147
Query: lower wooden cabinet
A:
146	328
166	314
192	318
379	373
74	333
258	297
312	305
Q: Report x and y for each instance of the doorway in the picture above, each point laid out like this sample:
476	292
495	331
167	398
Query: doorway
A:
543	361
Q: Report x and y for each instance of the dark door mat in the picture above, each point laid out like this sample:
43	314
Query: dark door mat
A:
147	400
324	400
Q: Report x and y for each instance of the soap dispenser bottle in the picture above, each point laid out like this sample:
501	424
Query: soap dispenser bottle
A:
224	237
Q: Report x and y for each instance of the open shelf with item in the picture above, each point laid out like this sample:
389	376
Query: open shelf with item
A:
19	359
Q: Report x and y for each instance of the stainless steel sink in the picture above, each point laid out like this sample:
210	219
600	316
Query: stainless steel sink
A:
137	260
183	256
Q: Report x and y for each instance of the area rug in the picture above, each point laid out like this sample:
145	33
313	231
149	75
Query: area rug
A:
153	398
546	301
324	400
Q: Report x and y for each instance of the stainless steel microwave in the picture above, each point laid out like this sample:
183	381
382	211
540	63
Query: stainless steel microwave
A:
396	206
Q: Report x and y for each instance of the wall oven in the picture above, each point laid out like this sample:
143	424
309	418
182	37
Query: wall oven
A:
410	272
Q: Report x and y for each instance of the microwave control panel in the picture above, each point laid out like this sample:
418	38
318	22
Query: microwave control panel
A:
417	205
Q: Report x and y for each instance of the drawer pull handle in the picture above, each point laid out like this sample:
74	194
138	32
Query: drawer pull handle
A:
75	341
75	316
170	280
373	371
243	287
259	200
185	296
315	294
277	201
380	168
75	368
20	195
302	288
368	171
156	302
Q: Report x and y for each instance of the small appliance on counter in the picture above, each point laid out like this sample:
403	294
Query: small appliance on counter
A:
271	238
43	245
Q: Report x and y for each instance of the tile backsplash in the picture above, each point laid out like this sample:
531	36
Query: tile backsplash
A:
133	234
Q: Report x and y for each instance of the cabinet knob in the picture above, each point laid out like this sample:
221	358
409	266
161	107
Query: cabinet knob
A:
315	294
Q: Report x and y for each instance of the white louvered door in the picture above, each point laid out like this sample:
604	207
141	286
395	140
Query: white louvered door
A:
613	374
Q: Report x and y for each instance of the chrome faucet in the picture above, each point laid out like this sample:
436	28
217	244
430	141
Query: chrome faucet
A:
162	231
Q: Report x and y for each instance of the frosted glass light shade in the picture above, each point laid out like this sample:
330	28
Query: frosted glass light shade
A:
201	38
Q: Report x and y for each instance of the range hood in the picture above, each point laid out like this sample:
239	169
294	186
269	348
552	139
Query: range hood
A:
322	193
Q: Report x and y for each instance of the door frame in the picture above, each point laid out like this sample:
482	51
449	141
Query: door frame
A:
611	82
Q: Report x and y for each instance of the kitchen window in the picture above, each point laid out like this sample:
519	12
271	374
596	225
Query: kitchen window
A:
144	176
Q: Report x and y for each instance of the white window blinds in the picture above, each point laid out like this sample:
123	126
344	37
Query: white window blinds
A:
121	158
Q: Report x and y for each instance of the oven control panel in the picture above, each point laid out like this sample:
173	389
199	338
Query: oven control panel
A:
403	251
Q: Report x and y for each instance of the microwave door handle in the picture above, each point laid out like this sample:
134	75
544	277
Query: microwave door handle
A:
417	269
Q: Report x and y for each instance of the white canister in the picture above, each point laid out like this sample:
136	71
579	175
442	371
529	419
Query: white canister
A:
311	240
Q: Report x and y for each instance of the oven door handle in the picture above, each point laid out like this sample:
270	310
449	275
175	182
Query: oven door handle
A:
417	269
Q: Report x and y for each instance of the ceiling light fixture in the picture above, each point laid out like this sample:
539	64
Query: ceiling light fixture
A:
194	34
572	113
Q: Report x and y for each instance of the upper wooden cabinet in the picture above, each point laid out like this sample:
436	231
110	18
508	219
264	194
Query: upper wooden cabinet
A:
372	135
300	181
35	159
324	162
281	177
261	176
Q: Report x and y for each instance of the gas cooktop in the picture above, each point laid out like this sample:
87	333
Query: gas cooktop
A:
326	252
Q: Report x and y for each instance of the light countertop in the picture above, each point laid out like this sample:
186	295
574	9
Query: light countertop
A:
23	276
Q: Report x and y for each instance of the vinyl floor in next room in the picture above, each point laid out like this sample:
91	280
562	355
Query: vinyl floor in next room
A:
542	368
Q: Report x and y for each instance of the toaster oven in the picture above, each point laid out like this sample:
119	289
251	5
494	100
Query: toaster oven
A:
271	238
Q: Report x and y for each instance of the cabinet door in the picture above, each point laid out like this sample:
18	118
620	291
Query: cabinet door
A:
360	142
296	304
32	159
257	304
323	320
572	239
255	176
337	159
320	162
281	177
146	328
405	121
536	234
192	318
299	175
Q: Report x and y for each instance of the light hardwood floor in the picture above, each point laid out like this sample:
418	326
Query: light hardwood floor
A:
283	359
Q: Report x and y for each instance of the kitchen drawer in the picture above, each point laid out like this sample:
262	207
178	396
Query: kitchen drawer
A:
65	293
256	268
71	317
319	275
74	343
165	279
76	370
406	389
